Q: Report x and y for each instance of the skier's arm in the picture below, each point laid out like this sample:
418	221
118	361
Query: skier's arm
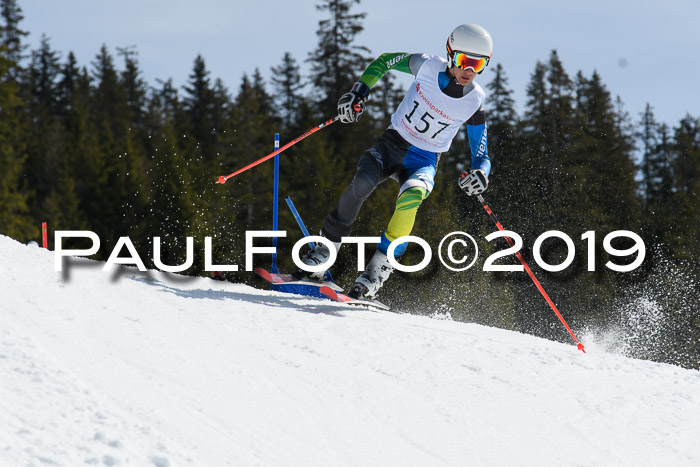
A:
352	104
476	132
404	62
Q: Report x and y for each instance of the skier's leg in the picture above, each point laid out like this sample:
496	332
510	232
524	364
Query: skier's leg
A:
416	185
379	269
381	161
417	180
339	222
369	175
403	219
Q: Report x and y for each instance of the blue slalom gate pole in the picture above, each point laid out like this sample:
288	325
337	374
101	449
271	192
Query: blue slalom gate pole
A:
298	218
275	204
296	288
304	230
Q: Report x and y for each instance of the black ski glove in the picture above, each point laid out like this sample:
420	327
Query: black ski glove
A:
352	104
473	182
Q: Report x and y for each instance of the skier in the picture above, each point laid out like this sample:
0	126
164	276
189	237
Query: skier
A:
442	97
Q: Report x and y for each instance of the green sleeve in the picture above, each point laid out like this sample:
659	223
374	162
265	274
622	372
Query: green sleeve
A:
385	62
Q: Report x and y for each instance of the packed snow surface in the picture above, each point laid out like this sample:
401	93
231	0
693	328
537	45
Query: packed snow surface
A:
130	368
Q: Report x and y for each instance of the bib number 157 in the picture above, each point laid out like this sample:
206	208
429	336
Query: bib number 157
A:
423	124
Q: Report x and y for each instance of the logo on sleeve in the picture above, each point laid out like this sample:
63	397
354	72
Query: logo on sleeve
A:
395	60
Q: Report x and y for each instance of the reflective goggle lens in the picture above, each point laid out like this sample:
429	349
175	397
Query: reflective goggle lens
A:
464	61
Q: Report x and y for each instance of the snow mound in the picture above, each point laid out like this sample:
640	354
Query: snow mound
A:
132	368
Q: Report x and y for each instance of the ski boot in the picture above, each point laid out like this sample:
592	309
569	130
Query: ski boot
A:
370	281
315	256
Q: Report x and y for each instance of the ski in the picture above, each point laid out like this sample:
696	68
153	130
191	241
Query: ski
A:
327	289
343	298
282	279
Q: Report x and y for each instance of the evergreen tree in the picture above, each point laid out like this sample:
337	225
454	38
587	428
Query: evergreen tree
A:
648	135
687	149
206	112
501	110
67	82
108	102
580	157
119	189
662	183
14	219
536	166
134	86
244	202
171	193
254	131
684	240
559	130
49	165
170	108
199	106
73	92
42	80
605	147
287	87
337	62
221	112
502	122
43	128
136	136
11	37
603	190
657	178
82	157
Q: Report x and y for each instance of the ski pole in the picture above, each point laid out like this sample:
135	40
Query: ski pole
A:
222	179
530	273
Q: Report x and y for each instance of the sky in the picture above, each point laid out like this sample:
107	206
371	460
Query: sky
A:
645	52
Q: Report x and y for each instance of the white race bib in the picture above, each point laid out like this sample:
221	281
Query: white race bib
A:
428	118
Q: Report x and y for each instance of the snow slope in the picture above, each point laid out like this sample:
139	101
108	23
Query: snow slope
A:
157	369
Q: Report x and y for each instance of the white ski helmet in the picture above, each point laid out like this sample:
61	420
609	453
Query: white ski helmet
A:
471	39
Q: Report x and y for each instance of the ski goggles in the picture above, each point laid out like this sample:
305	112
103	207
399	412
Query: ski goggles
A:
464	61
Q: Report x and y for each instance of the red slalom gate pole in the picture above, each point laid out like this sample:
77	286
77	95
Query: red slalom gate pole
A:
531	274
222	179
44	234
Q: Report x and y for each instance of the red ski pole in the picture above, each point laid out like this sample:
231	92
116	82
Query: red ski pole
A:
222	179
530	273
